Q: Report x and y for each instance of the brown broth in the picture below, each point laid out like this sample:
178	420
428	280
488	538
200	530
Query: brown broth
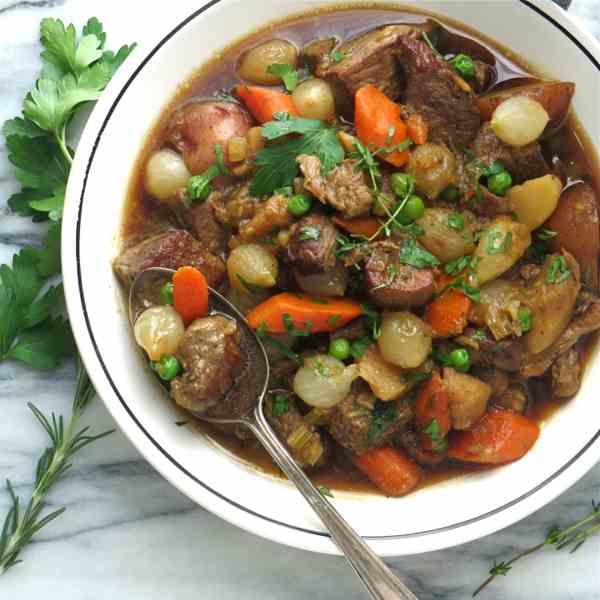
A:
143	216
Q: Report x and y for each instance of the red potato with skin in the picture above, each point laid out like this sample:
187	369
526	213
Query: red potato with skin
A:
554	96
577	222
195	128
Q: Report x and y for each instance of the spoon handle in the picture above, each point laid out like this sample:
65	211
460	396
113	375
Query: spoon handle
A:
378	579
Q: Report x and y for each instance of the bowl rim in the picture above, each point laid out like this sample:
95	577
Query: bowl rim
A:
227	508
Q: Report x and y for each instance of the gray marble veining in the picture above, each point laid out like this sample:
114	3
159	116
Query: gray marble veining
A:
127	532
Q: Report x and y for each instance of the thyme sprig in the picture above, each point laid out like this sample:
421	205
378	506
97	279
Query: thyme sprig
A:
570	538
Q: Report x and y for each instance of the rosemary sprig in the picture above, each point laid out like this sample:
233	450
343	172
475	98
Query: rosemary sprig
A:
570	538
65	441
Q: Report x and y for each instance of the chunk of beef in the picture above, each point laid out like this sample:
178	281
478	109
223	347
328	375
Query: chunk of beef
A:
355	330
311	245
211	358
368	59
171	250
345	188
302	439
515	398
391	283
359	423
566	374
269	216
201	221
487	204
522	163
495	378
435	91
467	398
316	51
589	321
234	207
506	355
484	74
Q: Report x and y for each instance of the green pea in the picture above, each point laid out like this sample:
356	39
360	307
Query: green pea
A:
451	194
499	183
464	65
299	204
168	367
401	183
166	293
412	210
460	360
339	348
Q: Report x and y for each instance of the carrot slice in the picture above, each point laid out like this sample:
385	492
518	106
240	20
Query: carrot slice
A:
265	102
447	314
376	117
390	470
367	226
432	405
190	293
303	312
498	437
417	129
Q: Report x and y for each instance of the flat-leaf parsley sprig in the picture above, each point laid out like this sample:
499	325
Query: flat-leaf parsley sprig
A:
33	330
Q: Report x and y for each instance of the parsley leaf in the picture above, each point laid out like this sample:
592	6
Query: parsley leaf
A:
309	233
277	166
288	323
411	253
281	404
458	265
455	221
462	286
384	415
439	443
558	271
325	491
286	73
498	243
337	56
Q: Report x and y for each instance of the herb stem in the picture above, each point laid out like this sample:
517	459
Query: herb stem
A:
62	144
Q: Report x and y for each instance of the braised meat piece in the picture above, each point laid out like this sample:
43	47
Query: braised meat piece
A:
201	221
435	91
302	439
311	245
391	283
411	442
345	188
514	398
171	250
316	51
211	359
269	216
234	207
369	59
566	374
484	74
359	422
522	163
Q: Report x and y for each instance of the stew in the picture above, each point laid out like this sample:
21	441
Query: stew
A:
408	217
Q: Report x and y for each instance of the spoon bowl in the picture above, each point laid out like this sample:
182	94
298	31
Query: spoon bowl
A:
249	392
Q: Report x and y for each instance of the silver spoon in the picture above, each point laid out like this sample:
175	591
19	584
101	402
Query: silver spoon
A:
377	578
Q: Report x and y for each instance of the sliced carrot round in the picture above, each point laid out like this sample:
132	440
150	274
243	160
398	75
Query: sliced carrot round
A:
190	293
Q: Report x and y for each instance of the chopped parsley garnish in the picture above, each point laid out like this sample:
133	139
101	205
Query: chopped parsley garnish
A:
359	347
288	323
438	442
384	415
373	319
286	73
309	233
414	255
346	243
525	320
391	271
337	56
325	491
321	369
277	166
455	221
458	265
462	286
499	243
281	404
333	320
545	234
199	187
558	271
262	333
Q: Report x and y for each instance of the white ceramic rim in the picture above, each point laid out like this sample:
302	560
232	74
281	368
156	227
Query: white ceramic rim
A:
187	483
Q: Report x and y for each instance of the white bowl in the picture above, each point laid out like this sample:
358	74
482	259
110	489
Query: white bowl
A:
435	517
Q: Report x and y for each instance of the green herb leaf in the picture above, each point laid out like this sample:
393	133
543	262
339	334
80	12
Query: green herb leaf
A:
288	323
439	443
309	233
359	347
336	56
558	271
545	234
281	404
250	287
325	491
458	265
277	166
462	286
411	253
498	242
384	415
455	221
286	73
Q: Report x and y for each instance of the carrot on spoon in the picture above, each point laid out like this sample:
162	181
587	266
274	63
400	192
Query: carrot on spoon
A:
190	293
282	311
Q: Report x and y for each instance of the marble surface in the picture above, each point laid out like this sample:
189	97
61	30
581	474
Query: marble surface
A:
128	533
